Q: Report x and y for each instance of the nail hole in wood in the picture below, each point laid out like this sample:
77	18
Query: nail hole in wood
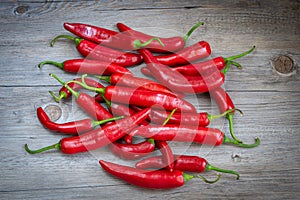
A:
284	64
54	112
20	10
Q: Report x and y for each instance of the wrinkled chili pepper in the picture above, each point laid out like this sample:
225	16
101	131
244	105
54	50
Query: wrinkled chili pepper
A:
132	151
175	81
64	93
185	133
87	102
86	66
108	37
155	179
171	44
74	127
135	82
225	103
184	163
206	67
186	55
96	138
142	97
99	52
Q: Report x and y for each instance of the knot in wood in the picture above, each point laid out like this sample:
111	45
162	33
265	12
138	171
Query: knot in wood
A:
54	112
284	64
20	10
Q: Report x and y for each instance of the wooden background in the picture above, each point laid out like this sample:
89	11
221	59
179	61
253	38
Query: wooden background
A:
269	100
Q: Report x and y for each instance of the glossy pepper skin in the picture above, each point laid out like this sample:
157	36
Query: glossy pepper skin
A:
94	51
87	66
181	162
146	98
167	154
136	82
172	44
157	179
74	127
132	151
103	136
104	36
181	133
186	55
96	138
176	82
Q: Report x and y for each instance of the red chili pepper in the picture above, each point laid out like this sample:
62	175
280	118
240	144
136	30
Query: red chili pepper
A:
185	133
133	151
186	55
64	93
167	153
142	97
209	66
86	66
108	37
225	103
157	179
171	44
194	119
96	138
135	82
184	163
99	52
175	81
74	127
87	103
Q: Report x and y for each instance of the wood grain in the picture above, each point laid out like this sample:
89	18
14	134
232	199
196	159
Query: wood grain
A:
269	100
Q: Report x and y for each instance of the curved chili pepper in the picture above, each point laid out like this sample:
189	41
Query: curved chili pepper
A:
225	103
185	133
194	119
176	81
186	55
142	97
87	102
184	163
86	66
74	127
135	82
96	138
206	67
132	151
108	37
64	93
99	52
157	179
171	44
167	153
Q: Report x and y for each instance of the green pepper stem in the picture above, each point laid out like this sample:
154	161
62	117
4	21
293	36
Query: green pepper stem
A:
188	177
188	34
234	142
96	123
138	44
212	117
85	86
230	59
57	64
229	116
75	39
210	167
54	146
169	117
103	78
76	94
56	98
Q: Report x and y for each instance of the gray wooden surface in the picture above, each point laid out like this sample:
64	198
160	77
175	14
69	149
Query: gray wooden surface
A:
269	100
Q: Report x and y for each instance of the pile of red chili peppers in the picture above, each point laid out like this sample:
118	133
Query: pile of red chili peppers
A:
152	111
